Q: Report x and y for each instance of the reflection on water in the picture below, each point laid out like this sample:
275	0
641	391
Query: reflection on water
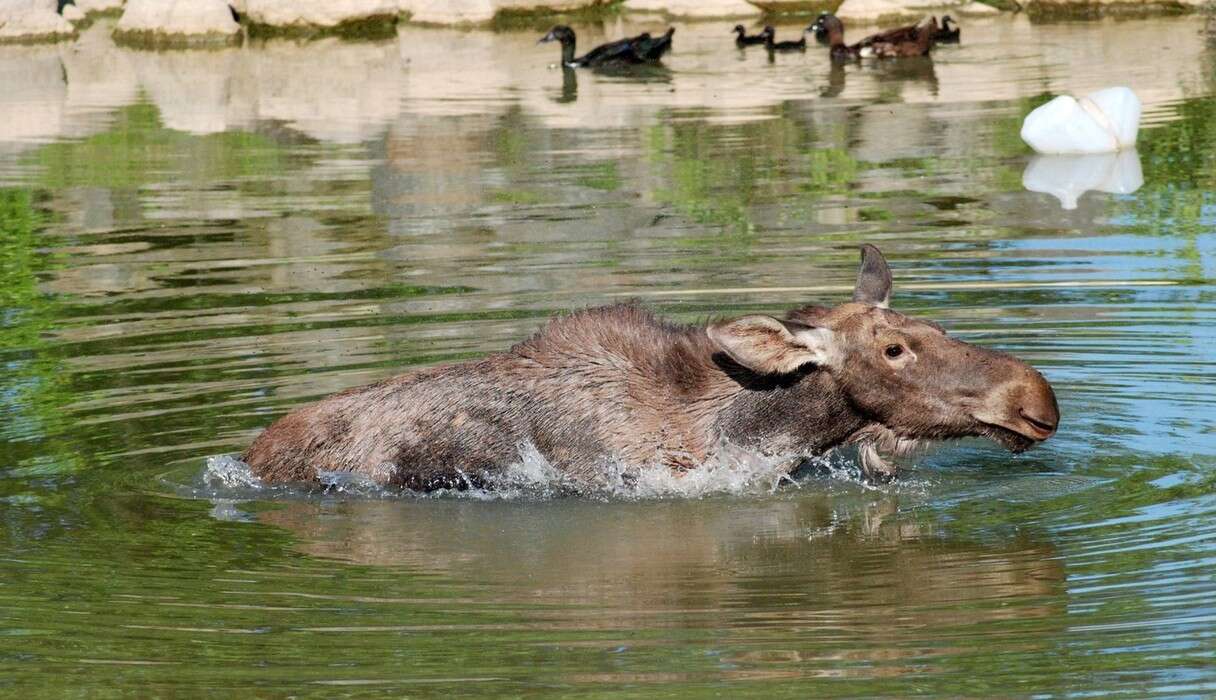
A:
869	556
192	244
1067	177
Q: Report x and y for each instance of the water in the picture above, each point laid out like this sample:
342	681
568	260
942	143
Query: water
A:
193	244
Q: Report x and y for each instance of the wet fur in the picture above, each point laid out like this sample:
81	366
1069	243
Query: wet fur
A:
616	386
609	383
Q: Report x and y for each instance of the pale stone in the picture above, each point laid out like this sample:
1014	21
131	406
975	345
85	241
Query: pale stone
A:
870	10
448	12
32	20
178	18
325	13
695	9
862	11
976	9
89	6
459	12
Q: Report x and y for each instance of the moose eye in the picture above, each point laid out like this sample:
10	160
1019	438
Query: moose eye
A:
893	351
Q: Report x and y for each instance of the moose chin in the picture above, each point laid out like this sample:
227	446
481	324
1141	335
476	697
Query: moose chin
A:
616	385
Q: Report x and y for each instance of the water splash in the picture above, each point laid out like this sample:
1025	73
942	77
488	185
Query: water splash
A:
733	471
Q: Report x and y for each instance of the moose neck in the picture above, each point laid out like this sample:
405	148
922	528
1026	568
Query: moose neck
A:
805	413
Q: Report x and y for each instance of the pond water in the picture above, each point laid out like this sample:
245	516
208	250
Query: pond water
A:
192	244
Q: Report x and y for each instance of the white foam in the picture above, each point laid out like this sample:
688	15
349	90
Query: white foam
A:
733	470
228	472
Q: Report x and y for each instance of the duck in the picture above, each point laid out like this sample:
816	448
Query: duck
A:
890	36
769	33
642	48
947	35
742	39
817	28
650	49
893	43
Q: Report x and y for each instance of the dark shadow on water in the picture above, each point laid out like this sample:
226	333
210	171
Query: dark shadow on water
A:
890	71
643	73
901	70
569	91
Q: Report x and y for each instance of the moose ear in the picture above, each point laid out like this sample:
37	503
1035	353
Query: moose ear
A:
768	346
873	278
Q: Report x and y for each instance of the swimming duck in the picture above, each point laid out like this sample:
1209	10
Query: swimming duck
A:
890	36
817	28
742	39
631	50
769	33
947	35
649	49
893	43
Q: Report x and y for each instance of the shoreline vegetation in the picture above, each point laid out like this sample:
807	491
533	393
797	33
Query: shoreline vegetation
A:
203	23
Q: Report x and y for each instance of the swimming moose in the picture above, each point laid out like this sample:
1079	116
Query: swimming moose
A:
615	385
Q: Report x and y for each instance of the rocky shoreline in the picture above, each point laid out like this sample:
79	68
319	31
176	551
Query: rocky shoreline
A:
158	23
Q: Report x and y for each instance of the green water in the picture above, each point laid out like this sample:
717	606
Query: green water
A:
193	244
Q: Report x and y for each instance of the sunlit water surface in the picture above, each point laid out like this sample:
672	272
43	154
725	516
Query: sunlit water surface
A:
192	244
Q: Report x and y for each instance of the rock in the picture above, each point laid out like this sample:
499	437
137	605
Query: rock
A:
863	11
458	12
975	9
852	11
1101	122
1067	177
323	13
177	21
31	21
1065	9
91	6
695	9
72	13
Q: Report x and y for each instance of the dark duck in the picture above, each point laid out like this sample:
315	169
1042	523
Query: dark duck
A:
902	42
947	34
820	31
642	48
742	39
771	44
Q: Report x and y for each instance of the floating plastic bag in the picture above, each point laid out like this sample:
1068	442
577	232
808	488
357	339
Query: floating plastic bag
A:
1067	177
1101	122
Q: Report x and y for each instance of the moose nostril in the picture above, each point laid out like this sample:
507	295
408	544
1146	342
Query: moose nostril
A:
1044	424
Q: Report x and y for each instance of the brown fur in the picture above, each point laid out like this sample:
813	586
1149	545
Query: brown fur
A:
615	384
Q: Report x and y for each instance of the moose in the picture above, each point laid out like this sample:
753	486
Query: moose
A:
616	385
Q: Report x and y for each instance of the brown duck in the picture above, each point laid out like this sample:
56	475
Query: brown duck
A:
915	40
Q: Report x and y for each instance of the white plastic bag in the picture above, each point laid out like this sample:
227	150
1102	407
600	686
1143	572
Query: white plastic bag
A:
1101	122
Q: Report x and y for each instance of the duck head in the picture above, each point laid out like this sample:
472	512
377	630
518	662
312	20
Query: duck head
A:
832	27
561	33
